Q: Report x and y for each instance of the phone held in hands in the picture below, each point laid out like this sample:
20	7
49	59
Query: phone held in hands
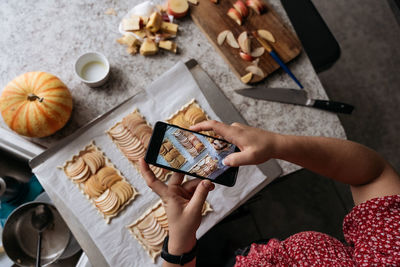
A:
199	155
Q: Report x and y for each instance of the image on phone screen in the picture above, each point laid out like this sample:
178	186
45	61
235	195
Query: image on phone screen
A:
192	153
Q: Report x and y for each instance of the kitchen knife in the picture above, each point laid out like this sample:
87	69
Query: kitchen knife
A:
294	96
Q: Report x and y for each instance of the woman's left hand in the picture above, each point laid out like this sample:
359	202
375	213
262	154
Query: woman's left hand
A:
183	204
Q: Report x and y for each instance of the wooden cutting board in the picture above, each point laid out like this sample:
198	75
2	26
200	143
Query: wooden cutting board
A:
212	19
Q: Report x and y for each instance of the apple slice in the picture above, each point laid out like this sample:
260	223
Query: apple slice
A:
257	5
148	48
235	15
230	39
258	52
214	1
255	70
255	62
193	2
245	56
244	42
177	8
246	78
241	7
267	35
131	24
221	37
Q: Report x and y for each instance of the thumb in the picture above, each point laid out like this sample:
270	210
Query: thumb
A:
199	196
238	159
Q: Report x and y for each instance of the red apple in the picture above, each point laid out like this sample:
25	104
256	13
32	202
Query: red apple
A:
177	8
235	15
241	7
245	56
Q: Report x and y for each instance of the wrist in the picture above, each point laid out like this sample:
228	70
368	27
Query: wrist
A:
278	145
178	245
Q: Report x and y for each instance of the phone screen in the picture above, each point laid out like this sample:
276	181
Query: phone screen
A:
192	153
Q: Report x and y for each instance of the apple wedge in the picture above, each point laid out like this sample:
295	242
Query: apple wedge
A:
148	48
230	39
246	78
266	35
177	8
131	24
245	56
154	23
255	70
241	7
244	42
257	5
258	52
235	15
221	37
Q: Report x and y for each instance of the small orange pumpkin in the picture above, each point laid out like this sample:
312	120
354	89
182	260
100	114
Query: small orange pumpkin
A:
36	104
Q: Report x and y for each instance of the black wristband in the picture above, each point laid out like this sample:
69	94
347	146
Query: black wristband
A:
182	259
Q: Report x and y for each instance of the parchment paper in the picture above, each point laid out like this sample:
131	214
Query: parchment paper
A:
161	99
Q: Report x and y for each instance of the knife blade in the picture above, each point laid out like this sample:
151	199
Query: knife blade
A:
296	97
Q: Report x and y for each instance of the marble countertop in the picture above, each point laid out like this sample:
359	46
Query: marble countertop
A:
50	36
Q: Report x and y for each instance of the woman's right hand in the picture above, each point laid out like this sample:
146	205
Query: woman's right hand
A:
256	145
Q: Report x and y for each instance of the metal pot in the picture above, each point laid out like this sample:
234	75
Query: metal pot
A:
20	237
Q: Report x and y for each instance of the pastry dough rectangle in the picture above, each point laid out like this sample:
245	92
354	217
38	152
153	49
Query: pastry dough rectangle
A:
100	181
146	226
188	115
131	136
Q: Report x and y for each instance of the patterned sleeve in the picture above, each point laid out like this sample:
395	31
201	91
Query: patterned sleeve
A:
372	229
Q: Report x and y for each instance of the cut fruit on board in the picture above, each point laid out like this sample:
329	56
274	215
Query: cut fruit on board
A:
235	15
177	8
244	42
212	20
241	7
267	35
246	78
257	5
258	52
231	40
255	70
221	37
245	56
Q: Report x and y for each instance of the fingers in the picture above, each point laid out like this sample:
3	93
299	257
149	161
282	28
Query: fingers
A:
176	179
156	185
191	185
226	131
238	159
195	204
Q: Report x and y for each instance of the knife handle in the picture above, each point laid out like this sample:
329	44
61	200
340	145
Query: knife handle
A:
333	106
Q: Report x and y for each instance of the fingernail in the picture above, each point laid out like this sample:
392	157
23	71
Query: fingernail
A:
207	184
225	162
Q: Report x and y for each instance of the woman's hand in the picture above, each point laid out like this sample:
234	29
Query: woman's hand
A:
183	204
256	145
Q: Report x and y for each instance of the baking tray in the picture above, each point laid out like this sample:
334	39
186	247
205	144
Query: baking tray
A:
218	102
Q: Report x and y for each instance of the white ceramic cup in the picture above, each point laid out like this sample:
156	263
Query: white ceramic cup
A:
93	69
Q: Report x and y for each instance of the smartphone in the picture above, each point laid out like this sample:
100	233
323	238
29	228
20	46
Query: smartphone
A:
199	155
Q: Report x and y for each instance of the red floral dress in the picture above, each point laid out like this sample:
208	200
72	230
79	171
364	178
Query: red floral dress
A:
371	230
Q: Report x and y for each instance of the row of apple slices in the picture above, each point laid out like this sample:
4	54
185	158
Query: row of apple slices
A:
239	10
244	43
